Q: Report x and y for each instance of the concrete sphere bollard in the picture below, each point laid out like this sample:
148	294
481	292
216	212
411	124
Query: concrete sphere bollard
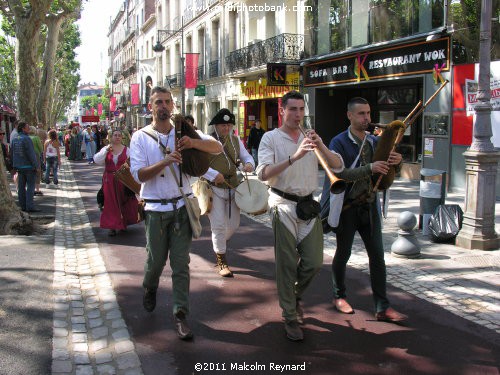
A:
407	221
406	245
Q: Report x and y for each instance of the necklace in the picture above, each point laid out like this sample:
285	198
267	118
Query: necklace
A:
164	148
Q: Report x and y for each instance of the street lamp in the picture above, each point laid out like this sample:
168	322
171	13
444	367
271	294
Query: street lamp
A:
158	47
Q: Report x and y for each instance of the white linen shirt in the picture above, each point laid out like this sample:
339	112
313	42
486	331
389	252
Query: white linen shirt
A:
301	178
100	157
145	151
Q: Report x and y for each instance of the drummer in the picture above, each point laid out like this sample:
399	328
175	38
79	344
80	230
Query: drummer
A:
224	178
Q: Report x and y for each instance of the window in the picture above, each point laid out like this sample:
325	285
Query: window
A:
337	25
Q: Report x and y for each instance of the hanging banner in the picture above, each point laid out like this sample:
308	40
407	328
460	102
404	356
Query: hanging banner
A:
99	109
112	104
134	89
191	74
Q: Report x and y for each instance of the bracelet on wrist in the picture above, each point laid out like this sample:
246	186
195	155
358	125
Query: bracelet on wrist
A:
290	162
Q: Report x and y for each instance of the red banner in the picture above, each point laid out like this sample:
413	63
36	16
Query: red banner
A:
112	104
92	111
90	118
134	90
99	109
191	74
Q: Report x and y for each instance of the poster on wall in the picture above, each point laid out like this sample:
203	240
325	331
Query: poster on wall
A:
429	148
466	78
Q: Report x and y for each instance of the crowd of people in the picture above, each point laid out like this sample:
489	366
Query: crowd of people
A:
285	159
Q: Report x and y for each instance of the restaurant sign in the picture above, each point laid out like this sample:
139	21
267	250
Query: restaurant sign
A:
416	58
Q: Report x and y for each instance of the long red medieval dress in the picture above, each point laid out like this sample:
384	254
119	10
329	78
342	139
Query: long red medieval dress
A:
120	208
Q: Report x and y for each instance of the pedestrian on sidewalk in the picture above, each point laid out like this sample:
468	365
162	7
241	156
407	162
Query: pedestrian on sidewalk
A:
38	146
254	138
51	157
88	137
5	151
168	232
27	165
120	203
357	147
190	121
75	148
289	167
223	176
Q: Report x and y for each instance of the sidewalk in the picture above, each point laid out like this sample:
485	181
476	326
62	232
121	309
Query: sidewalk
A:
464	282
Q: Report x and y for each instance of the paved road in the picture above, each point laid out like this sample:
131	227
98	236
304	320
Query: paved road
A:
71	303
237	321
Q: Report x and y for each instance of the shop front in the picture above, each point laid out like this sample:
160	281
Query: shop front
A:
465	91
258	101
393	79
7	121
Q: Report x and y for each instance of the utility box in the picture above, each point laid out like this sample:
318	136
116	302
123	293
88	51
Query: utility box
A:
432	194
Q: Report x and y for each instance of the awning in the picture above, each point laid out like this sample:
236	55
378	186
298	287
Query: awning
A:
6	109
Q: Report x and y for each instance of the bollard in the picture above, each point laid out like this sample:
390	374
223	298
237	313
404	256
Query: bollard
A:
406	245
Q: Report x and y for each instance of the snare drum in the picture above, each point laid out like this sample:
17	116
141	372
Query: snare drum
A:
251	197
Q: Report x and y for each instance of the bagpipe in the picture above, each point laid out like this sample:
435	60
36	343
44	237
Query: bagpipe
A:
391	136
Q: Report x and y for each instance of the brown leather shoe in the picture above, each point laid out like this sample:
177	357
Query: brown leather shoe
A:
390	315
293	331
341	305
181	326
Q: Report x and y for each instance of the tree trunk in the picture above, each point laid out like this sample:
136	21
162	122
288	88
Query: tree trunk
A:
12	219
26	56
46	83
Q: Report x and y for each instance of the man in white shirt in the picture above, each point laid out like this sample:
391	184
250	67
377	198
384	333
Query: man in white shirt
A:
291	170
168	232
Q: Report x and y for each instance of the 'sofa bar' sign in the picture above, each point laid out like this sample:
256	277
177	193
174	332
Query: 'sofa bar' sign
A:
415	58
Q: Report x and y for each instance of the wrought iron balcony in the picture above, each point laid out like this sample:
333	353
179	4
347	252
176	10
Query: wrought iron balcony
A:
281	48
213	69
200	6
173	80
188	11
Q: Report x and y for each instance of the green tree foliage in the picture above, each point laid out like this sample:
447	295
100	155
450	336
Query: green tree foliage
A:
37	25
8	87
66	72
92	101
465	17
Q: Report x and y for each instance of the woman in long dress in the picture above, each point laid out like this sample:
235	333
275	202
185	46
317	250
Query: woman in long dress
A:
75	145
120	204
88	137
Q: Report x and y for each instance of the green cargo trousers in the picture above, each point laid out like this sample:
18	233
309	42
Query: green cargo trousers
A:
163	240
296	264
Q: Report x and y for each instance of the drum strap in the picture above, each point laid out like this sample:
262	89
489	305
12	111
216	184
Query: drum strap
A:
291	197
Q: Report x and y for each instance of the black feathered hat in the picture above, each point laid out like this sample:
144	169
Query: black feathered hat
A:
224	116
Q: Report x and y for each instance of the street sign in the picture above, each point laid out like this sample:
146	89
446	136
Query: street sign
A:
276	74
90	119
199	90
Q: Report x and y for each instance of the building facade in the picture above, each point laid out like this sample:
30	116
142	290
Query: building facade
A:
395	54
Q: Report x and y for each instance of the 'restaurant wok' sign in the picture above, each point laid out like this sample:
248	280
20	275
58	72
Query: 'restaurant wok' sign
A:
422	57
